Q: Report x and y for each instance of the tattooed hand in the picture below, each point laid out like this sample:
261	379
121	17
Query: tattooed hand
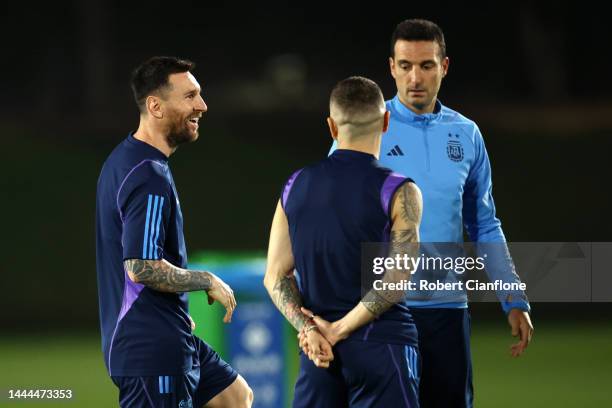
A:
221	292
332	331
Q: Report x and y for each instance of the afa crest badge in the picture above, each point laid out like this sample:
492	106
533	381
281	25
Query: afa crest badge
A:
454	149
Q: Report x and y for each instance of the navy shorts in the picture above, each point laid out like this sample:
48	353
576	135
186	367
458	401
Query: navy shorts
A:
444	343
363	374
192	389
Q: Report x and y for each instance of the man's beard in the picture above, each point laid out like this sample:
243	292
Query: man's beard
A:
179	135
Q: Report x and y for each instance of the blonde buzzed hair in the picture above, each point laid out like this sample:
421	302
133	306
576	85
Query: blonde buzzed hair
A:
357	105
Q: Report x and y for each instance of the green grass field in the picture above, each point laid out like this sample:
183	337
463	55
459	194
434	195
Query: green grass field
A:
566	366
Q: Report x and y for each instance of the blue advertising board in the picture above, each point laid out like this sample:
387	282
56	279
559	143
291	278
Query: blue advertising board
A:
256	351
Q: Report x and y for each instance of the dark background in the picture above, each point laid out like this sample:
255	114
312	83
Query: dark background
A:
535	78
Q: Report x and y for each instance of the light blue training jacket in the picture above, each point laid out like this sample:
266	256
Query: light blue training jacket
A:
444	153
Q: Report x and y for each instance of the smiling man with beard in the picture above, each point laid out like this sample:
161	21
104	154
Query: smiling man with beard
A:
149	349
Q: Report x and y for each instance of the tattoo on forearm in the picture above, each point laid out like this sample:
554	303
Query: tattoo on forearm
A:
376	303
402	242
287	298
165	277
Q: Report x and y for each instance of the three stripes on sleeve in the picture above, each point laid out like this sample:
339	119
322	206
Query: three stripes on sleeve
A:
155	204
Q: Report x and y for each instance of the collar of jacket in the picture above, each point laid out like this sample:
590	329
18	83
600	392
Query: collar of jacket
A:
407	115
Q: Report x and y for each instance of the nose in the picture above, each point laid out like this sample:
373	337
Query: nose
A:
201	105
415	75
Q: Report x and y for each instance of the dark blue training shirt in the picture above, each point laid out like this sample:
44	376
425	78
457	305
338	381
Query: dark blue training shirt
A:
332	207
138	216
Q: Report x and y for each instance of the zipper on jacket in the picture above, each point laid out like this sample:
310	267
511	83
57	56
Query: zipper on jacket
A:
427	159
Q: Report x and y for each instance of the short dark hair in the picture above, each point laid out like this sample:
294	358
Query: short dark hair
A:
356	94
152	76
418	30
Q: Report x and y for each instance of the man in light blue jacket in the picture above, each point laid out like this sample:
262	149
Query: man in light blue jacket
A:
444	152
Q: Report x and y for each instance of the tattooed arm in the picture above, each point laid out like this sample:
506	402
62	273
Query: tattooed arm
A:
279	279
405	218
282	287
162	276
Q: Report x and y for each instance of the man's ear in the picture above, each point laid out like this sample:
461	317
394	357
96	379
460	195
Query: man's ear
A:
154	108
445	63
392	66
333	129
386	121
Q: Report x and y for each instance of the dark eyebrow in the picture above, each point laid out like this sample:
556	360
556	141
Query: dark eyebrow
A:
403	61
